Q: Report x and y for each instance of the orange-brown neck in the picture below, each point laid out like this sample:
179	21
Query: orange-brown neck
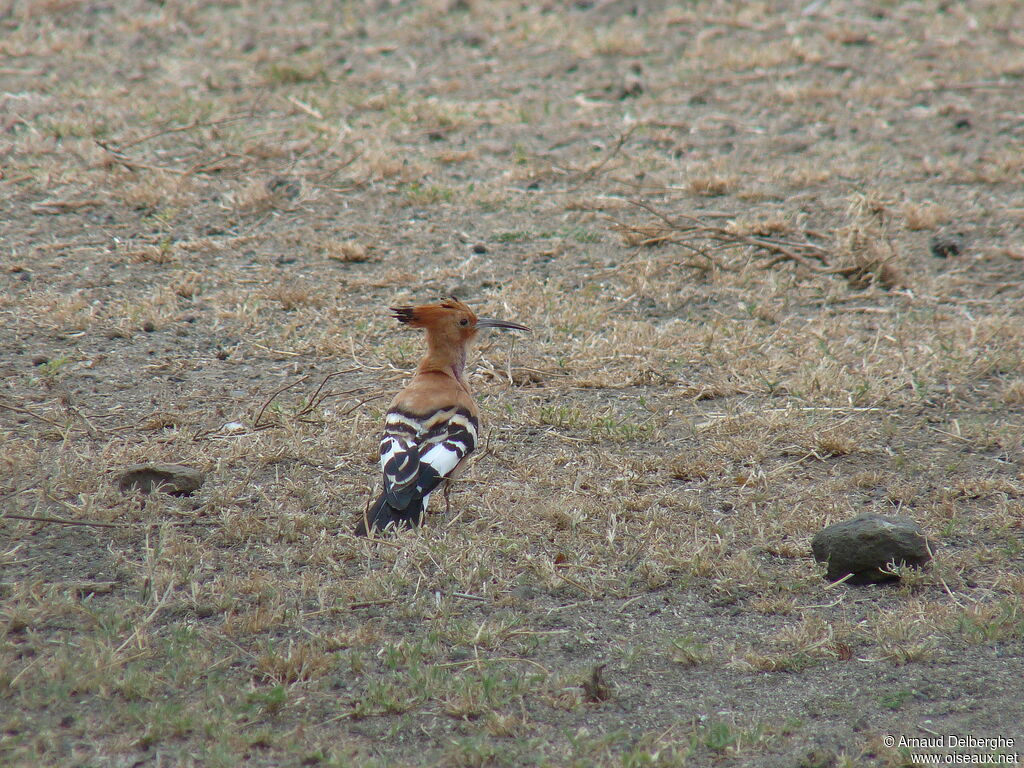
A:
446	353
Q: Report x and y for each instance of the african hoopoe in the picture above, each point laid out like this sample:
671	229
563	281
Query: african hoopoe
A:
431	425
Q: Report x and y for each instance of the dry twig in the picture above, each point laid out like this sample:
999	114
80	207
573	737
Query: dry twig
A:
61	520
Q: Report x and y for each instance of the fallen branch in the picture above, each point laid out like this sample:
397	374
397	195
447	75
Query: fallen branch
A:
593	170
188	127
33	414
131	164
81	587
61	520
686	233
862	252
256	423
201	166
316	399
314	402
369	604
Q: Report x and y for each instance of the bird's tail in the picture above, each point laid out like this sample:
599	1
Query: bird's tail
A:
381	514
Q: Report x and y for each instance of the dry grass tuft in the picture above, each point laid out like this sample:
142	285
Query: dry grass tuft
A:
299	662
346	251
1013	392
710	184
293	296
925	216
866	253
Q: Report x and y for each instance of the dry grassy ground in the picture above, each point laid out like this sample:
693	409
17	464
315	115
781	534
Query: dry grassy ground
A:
717	217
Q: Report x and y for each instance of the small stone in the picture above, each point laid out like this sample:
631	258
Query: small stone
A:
632	85
284	186
818	758
945	245
175	479
866	545
38	360
474	40
148	326
524	592
479	248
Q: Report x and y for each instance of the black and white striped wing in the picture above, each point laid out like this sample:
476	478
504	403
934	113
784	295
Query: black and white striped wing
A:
417	453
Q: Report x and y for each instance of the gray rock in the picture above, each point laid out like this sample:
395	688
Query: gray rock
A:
175	479
865	545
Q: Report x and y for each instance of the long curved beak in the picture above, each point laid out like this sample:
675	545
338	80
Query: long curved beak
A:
490	322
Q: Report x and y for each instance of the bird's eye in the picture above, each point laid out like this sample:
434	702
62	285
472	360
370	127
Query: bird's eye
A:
463	321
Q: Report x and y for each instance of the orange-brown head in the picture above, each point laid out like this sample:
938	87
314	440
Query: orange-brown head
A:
450	326
451	319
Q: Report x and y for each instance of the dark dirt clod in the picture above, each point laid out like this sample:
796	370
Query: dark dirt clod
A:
284	187
818	758
595	687
632	86
175	479
946	245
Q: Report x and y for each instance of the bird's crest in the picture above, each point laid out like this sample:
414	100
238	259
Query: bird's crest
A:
428	314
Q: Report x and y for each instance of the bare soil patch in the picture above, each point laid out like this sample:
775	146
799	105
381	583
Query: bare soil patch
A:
772	256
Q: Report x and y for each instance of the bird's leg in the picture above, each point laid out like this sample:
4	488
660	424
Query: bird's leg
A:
447	501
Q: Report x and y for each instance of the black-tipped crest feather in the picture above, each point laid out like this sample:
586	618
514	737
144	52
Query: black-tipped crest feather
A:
404	314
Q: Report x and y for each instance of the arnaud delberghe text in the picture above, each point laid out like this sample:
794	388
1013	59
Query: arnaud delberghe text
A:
952	741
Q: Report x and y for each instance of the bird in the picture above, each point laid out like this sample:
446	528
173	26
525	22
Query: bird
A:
431	426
